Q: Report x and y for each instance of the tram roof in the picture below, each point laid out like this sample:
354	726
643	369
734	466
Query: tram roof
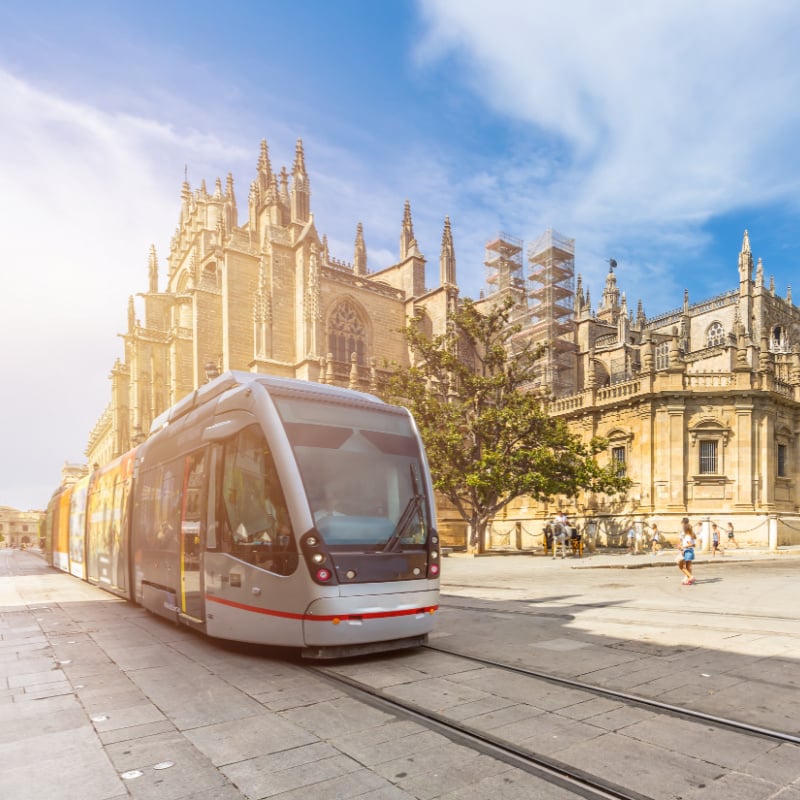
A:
233	378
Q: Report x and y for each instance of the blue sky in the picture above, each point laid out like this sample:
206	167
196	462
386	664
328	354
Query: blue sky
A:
653	133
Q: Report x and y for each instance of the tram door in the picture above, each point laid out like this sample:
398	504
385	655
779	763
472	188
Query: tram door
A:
192	535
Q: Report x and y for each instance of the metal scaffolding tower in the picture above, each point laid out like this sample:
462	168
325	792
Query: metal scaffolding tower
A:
504	272
551	310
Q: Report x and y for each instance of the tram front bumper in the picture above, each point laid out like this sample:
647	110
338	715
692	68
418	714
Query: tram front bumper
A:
333	621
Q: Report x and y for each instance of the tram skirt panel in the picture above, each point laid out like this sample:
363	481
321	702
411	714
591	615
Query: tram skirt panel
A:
369	618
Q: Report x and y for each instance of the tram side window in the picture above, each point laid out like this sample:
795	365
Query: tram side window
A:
256	522
193	507
161	505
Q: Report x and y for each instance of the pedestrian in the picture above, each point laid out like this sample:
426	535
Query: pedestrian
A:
714	539
655	539
638	536
731	537
560	534
631	540
700	535
686	556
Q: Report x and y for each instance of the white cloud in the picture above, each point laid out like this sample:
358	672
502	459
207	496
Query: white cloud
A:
85	194
669	113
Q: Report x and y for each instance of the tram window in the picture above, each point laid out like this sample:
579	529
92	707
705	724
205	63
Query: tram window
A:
255	519
192	503
161	505
212	525
368	462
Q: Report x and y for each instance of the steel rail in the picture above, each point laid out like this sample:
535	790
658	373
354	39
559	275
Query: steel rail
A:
551	770
643	702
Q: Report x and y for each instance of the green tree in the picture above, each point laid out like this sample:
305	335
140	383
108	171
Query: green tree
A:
488	440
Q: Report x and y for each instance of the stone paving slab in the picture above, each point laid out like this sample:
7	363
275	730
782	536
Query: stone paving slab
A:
241	739
237	724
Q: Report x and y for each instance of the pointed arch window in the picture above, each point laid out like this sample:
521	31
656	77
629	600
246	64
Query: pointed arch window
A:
662	355
347	334
779	342
715	334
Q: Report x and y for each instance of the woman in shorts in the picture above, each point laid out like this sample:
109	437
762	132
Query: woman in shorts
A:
686	557
714	539
731	537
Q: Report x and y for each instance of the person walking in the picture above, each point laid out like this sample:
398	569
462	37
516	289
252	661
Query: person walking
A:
686	556
714	539
731	537
655	539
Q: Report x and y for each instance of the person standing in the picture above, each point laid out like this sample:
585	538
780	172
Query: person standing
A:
686	556
731	537
714	539
560	534
700	536
631	540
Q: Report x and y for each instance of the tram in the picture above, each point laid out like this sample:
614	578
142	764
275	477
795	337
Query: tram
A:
265	510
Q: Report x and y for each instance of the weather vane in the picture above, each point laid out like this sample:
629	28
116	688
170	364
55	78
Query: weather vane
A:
612	263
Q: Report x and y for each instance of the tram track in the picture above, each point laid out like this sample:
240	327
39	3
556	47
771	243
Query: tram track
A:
553	770
549	769
646	703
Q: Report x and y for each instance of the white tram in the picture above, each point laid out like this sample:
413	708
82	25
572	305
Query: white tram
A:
266	510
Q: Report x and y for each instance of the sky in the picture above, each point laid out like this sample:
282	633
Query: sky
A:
651	133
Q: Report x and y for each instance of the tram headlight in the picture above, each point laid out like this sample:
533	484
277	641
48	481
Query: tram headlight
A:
311	541
318	558
434	554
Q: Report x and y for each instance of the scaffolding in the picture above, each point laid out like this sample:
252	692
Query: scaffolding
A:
551	310
504	273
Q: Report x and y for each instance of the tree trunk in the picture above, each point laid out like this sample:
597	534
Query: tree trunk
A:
476	536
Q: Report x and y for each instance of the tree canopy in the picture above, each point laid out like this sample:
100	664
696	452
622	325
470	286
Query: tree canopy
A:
489	439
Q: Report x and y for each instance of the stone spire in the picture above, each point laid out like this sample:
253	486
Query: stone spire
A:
301	192
610	302
264	169
152	270
131	315
408	244
447	259
641	319
360	258
745	260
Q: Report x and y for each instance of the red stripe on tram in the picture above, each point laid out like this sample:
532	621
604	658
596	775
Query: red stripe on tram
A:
271	612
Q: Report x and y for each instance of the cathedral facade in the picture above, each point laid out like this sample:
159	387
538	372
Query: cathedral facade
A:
701	409
700	405
264	295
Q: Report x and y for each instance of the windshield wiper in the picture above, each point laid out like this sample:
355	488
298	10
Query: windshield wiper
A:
413	508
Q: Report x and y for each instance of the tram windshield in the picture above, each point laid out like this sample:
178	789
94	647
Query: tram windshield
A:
362	472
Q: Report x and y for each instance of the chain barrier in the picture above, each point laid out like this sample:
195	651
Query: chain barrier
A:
505	535
737	531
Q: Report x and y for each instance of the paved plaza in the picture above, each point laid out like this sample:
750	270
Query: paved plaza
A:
100	700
